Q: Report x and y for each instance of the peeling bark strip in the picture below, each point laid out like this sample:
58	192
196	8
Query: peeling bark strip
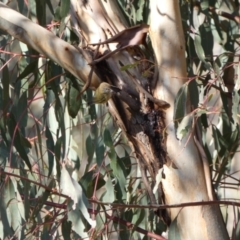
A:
132	36
144	127
145	131
149	142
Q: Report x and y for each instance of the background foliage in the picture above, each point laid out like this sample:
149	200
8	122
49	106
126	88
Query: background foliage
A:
56	154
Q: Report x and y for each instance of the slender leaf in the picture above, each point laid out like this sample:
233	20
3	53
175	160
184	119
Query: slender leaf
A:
180	105
64	9
50	149
66	229
16	137
174	232
73	104
30	68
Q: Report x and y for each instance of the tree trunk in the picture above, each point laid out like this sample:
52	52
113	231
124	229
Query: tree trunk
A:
190	181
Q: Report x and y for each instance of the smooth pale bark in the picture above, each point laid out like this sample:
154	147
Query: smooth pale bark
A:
47	43
187	182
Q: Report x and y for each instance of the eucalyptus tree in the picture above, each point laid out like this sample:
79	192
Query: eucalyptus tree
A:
154	158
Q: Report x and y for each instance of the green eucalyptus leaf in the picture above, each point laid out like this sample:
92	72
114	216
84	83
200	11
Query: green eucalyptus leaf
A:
41	200
221	61
108	138
109	195
16	138
58	156
200	51
50	150
41	12
180	105
90	148
64	9
20	110
126	163
174	232
88	182
100	151
30	68
185	127
5	99
48	2
72	102
235	108
66	229
79	203
118	173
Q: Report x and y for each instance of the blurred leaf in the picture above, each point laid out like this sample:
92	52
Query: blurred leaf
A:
118	172
200	52
46	228
4	155
64	8
158	180
5	99
205	4
108	138
26	201
100	150
39	137
235	107
50	150
236	228
57	14
20	5
193	93
18	199
41	12
17	139
124	233
199	48
174	233
12	206
58	157
30	68
139	12
219	141
66	229
20	110
5	218
138	216
180	105
109	195
41	200
220	62
185	127
4	133
101	220
88	182
126	163
89	148
72	102
50	6
72	189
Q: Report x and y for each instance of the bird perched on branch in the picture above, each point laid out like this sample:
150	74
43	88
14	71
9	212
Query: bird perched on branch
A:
103	93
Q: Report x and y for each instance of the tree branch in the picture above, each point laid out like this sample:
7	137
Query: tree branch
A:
45	42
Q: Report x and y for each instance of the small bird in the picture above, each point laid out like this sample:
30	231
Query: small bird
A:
103	93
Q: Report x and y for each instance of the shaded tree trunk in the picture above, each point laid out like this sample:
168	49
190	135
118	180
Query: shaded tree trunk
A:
191	180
